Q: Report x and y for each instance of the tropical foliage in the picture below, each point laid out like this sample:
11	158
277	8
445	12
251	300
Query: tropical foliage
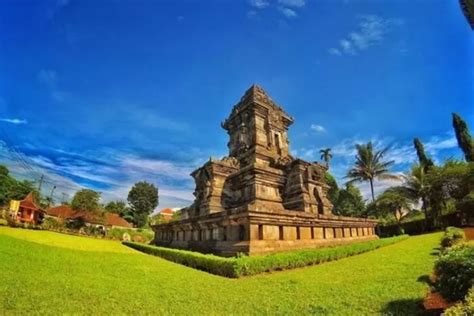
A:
11	188
370	165
396	202
326	155
349	202
465	141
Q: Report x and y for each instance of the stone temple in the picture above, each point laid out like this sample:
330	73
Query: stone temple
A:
260	199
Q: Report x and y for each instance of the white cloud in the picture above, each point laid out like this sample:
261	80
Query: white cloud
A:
292	3
251	14
371	30
347	47
379	186
159	167
14	121
286	7
318	128
49	78
334	51
259	4
289	13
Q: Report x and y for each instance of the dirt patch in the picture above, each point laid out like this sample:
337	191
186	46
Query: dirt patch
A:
469	231
434	302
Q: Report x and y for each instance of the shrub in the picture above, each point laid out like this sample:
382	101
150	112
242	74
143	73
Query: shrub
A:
209	263
93	231
462	308
245	266
50	223
139	235
452	236
455	272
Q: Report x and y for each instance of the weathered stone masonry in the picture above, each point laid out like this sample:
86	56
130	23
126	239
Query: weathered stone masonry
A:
260	199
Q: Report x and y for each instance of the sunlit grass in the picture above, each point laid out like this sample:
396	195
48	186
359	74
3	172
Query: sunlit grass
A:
50	276
64	240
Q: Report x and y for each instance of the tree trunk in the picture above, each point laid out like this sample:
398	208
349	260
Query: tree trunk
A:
424	207
399	221
371	181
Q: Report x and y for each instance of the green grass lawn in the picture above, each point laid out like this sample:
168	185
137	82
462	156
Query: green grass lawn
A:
45	272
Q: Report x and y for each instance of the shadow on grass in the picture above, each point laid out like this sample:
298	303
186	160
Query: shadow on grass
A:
404	307
436	251
425	279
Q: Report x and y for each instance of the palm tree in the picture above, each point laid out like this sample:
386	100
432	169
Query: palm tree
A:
326	155
370	165
416	187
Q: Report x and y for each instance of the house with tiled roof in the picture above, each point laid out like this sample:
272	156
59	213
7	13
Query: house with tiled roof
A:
113	220
109	220
29	211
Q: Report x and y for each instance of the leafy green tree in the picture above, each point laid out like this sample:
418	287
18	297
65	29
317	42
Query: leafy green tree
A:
4	172
424	160
370	165
117	207
86	200
143	199
464	138
326	155
176	216
395	201
121	208
156	219
333	192
350	202
451	182
12	189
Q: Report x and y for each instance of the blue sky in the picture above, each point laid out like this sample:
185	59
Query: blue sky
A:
101	94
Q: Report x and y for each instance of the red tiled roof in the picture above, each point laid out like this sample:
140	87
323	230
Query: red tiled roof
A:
167	211
89	217
109	219
63	211
29	202
112	219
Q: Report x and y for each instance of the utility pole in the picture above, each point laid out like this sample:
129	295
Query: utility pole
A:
51	196
64	198
40	184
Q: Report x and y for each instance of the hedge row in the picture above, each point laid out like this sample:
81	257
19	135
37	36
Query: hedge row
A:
210	263
247	266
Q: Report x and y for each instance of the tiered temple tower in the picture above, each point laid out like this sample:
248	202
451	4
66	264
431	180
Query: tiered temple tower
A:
259	198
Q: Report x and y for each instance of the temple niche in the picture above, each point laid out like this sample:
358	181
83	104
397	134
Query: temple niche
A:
259	198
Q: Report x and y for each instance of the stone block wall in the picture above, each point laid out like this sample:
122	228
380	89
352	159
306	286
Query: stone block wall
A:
259	238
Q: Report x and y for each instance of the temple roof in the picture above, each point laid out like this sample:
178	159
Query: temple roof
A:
467	7
256	94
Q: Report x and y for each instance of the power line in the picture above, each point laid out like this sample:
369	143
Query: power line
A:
17	156
29	167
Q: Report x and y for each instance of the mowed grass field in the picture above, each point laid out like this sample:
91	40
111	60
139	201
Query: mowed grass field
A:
48	273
